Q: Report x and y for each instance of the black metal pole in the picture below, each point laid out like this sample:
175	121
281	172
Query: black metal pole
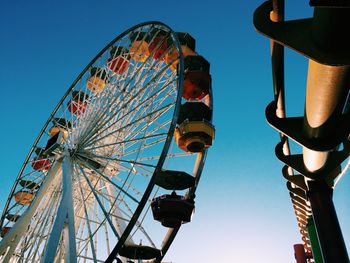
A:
326	221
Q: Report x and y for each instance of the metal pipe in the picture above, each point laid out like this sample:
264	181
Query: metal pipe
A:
327	86
277	59
326	93
328	229
299	253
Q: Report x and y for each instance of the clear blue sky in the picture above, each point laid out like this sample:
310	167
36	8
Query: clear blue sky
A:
243	211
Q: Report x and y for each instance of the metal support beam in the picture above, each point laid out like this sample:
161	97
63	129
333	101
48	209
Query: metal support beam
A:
328	229
64	221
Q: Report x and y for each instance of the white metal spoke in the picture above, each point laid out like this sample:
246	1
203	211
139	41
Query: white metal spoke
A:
99	202
87	222
111	182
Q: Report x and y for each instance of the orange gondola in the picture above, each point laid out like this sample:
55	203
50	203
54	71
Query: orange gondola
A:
139	46
60	125
24	198
188	45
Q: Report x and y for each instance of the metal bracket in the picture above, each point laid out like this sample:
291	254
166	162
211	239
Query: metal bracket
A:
292	127
296	179
296	161
296	34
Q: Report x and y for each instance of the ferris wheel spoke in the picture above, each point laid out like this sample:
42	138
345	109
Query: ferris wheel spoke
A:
90	118
40	174
139	226
106	107
128	185
132	170
132	129
144	146
152	96
80	236
134	109
87	223
172	155
42	227
106	215
145	169
155	114
126	141
143	89
125	161
105	226
110	181
97	129
34	232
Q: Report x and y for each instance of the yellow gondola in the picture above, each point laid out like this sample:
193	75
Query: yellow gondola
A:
98	80
194	132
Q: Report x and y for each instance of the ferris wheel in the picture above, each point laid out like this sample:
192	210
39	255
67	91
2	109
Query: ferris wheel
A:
112	174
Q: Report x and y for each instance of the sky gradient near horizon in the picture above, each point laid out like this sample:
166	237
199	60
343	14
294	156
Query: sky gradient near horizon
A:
243	210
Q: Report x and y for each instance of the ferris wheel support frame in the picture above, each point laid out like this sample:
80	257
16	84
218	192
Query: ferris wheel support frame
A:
64	221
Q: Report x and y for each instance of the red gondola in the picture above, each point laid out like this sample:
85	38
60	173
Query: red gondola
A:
118	61
159	45
77	105
197	80
41	164
5	230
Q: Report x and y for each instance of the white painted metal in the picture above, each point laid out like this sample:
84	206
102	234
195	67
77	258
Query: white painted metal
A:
65	218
